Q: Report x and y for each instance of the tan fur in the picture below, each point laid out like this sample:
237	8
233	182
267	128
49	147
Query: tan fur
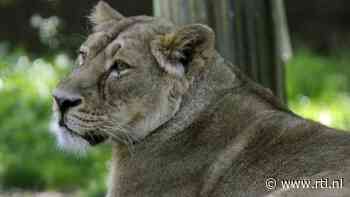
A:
103	12
183	122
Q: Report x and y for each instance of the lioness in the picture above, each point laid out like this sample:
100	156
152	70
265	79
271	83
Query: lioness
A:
184	122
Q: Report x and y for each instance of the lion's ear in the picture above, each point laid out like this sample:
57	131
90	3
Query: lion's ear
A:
103	12
175	51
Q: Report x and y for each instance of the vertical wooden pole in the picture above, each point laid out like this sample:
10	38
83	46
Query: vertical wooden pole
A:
182	12
283	48
221	20
253	34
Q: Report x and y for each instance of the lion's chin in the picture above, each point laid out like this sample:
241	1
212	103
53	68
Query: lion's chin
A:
66	140
71	141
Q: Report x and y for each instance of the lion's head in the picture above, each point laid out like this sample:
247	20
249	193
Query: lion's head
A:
130	77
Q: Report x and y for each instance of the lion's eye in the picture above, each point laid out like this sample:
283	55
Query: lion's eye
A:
81	57
119	68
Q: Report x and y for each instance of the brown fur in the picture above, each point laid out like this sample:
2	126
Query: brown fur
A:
184	122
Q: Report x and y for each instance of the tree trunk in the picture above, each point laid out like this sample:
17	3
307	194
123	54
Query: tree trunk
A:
253	34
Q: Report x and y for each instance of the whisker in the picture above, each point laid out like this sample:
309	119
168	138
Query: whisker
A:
130	144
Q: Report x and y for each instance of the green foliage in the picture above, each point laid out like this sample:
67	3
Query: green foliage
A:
10	177
318	87
28	154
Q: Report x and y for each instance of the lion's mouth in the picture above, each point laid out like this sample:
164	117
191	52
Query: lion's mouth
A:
92	138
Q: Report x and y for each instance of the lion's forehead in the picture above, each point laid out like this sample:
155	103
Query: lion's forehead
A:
130	45
95	42
134	51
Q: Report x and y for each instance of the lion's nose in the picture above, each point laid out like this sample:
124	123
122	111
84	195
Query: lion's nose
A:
65	101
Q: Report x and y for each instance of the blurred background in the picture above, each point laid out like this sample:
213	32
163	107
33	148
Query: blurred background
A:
300	49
